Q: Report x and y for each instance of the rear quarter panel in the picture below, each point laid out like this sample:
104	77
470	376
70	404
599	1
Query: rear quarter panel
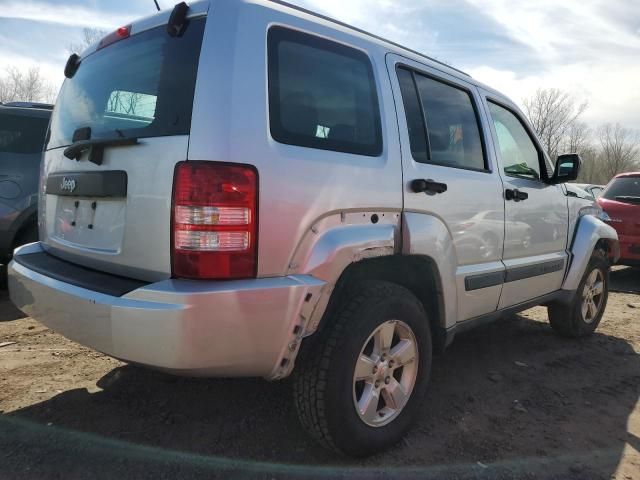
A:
298	186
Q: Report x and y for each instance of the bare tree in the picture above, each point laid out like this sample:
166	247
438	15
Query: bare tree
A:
553	113
591	172
89	37
25	86
620	149
578	138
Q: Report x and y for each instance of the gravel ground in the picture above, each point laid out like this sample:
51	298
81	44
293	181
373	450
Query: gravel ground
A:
508	400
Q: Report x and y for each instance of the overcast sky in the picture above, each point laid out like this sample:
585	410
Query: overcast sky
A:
590	48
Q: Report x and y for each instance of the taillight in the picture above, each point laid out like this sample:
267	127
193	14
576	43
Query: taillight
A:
214	221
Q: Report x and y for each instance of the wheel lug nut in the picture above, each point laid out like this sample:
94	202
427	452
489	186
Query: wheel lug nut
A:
377	383
387	380
391	363
375	369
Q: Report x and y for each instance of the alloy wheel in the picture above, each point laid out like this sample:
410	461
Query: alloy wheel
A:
385	373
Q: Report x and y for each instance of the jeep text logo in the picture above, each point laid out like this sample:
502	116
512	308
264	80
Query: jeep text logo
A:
68	184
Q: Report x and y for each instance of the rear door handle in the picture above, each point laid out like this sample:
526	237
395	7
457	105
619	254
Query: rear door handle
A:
515	195
430	187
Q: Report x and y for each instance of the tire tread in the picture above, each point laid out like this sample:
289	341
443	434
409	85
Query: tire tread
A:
309	383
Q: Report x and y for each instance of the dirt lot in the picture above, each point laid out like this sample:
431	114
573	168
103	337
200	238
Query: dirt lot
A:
509	400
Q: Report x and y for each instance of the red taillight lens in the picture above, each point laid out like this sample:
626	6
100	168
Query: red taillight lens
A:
120	34
214	221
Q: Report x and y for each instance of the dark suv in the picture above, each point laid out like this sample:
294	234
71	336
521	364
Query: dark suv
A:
23	127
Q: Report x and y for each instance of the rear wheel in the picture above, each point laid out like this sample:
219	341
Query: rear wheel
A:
360	383
583	315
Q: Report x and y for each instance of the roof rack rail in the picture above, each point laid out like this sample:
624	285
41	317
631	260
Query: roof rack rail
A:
364	32
44	106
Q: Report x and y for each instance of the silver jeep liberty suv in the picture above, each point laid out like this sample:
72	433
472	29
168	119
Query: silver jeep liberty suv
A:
245	188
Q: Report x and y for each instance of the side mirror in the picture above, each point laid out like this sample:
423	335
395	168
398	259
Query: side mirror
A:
567	168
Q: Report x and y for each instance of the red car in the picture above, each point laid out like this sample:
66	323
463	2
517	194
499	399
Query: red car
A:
621	202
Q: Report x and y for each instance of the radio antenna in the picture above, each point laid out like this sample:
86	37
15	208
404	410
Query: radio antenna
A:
157	6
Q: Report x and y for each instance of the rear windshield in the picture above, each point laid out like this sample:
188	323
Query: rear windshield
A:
141	86
21	134
623	187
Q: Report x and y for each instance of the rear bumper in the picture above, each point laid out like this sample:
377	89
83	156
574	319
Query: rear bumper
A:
225	329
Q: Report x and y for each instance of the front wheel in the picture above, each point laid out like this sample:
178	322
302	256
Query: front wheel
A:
359	385
583	315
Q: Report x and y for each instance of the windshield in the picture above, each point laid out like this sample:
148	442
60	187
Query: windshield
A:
141	86
22	134
623	187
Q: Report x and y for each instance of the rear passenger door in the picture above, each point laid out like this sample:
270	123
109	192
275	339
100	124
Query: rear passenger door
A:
536	212
448	174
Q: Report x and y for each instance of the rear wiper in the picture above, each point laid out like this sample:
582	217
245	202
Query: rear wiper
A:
96	147
628	198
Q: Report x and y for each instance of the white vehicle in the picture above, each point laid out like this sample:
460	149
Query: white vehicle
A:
594	190
245	188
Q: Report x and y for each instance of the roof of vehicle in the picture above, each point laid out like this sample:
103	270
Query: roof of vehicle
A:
43	106
364	32
27	109
390	45
587	185
628	175
201	7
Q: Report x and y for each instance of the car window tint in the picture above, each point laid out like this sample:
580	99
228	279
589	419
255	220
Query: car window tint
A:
413	112
452	125
22	134
623	187
322	94
520	157
142	86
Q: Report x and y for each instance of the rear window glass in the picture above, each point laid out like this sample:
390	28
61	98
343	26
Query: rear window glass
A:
322	95
22	134
623	187
141	86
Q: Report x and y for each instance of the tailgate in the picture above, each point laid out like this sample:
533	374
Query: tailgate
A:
121	124
115	216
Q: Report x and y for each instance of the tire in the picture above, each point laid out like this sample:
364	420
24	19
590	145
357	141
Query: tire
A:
571	320
324	385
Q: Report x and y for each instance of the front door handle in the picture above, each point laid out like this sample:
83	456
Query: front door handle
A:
430	187
515	195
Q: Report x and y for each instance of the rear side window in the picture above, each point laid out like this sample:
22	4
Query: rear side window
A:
22	134
453	136
141	86
322	95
